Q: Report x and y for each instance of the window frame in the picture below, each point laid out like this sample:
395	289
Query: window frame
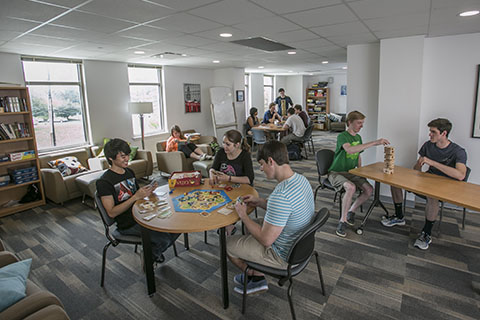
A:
271	86
163	116
82	88
247	94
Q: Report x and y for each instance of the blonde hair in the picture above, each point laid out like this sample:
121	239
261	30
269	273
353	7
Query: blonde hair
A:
354	115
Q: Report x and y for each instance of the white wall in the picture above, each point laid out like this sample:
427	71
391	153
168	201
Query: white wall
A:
233	78
338	103
256	91
362	90
294	89
448	88
11	70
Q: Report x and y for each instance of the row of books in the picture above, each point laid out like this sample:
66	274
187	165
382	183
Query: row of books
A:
13	104
14	130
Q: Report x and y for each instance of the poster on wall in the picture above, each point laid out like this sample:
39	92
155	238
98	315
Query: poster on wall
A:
343	90
191	95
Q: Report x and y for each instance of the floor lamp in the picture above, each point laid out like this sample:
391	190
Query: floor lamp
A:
141	108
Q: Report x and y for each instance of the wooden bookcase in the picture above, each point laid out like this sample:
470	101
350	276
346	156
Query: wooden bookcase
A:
14	191
317	105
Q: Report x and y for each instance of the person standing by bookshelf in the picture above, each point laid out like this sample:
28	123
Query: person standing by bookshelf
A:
283	102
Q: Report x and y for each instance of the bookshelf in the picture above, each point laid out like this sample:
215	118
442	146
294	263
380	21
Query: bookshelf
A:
16	137
318	106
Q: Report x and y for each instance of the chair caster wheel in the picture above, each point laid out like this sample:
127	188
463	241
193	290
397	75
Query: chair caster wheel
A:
359	231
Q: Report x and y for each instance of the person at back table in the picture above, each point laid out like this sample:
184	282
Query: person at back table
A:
271	115
295	123
302	114
347	156
443	157
289	209
283	102
178	142
252	121
118	190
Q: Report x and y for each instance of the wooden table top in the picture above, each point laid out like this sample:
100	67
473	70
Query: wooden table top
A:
185	222
269	127
463	194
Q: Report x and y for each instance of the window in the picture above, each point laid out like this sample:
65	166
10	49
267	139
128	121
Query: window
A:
56	96
247	95
145	86
268	96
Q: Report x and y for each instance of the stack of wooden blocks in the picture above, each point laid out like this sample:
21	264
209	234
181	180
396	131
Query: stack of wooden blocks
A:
389	160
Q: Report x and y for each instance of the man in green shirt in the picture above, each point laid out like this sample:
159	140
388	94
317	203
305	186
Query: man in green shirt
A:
347	156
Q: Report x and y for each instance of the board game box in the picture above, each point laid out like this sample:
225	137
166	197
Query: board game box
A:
185	179
200	200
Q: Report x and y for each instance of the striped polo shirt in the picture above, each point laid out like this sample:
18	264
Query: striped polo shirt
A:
290	206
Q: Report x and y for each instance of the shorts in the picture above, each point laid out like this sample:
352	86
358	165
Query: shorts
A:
337	179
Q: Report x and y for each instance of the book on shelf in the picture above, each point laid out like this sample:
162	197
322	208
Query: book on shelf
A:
15	130
13	104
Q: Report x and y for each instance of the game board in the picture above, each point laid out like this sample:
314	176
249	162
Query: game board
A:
200	200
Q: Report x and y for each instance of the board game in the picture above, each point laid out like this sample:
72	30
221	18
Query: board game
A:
200	200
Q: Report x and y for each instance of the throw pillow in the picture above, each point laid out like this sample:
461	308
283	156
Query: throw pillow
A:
100	152
13	283
67	166
133	153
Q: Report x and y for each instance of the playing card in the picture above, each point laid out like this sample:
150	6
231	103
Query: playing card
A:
225	211
205	214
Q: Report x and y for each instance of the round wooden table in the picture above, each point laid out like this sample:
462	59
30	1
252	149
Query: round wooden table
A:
186	222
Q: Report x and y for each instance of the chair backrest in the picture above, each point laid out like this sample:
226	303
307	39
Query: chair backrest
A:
259	136
324	159
107	221
308	132
304	245
467	174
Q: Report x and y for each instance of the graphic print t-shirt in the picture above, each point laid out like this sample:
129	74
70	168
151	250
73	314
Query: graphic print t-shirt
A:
239	167
121	187
343	161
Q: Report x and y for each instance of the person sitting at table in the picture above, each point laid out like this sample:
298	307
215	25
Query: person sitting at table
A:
271	114
444	158
178	142
252	121
289	209
296	124
118	190
302	114
347	157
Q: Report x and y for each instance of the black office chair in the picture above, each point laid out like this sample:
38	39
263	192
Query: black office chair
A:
114	237
308	140
467	174
298	258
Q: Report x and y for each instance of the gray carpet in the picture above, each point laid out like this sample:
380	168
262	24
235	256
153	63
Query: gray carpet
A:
375	276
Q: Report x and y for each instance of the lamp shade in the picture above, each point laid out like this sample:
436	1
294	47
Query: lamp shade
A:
140	107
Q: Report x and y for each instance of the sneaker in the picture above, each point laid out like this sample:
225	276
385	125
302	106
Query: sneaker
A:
252	286
393	221
423	241
209	157
203	157
238	279
342	226
350	218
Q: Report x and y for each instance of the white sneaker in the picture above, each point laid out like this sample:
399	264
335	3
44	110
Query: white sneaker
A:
203	157
209	157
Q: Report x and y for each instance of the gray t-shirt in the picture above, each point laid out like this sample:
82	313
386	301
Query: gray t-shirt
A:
449	156
296	123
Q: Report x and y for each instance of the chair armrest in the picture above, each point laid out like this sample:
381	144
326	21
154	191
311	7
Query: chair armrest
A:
206	139
30	304
170	161
146	155
205	148
51	312
7	258
54	185
95	150
97	164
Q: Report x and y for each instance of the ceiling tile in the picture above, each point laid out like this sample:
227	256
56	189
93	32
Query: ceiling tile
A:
131	10
149	33
194	52
284	6
68	32
8	35
20	48
446	21
163	47
220	46
461	5
123	41
369	9
92	22
100	47
42	40
398	22
341	29
189	41
11	24
404	32
63	3
296	35
214	34
314	43
231	12
323	16
181	5
359	38
78	54
185	22
267	26
29	10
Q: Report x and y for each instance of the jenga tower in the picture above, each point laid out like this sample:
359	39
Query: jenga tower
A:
389	159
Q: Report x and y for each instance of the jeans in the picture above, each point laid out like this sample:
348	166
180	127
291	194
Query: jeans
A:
160	240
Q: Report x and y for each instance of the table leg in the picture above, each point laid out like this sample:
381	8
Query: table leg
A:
148	261
223	267
376	202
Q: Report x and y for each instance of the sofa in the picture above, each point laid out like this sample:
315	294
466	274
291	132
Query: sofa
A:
38	304
169	162
142	164
58	188
338	126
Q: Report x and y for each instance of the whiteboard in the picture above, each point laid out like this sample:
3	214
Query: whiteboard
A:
223	108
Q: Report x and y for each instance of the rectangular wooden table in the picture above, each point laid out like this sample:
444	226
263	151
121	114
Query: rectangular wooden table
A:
463	194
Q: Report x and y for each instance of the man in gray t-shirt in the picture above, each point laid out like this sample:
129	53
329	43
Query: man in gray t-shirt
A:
444	158
295	123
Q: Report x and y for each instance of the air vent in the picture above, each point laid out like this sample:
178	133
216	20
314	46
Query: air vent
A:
167	55
262	44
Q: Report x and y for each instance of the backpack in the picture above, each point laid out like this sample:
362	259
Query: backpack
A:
294	152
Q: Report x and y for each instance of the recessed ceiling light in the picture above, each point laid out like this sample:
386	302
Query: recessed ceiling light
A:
469	13
261	67
324	62
216	61
310	74
225	35
290	71
139	52
292	52
344	68
184	54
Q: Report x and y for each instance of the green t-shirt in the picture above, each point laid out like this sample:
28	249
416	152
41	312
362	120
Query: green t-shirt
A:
343	161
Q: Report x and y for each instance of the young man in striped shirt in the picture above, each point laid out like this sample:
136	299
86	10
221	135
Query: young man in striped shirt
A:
289	209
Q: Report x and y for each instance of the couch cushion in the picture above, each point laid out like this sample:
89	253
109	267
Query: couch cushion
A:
13	282
138	166
81	154
67	166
